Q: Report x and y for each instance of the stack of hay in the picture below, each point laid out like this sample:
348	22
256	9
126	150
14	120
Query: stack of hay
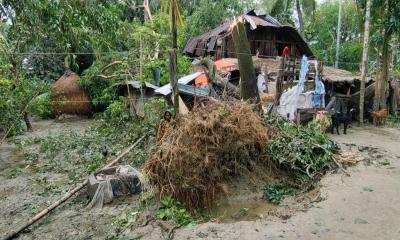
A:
69	97
208	147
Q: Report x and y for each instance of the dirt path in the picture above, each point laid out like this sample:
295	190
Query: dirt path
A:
24	192
363	206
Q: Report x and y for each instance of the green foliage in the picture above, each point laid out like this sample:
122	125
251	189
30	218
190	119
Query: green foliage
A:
14	97
208	14
351	53
393	120
79	154
102	91
173	210
41	106
303	150
322	32
126	220
276	193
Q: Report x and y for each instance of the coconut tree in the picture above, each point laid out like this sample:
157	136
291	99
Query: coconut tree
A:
283	10
364	59
338	34
389	26
176	21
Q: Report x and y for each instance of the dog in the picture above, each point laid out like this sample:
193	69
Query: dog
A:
379	117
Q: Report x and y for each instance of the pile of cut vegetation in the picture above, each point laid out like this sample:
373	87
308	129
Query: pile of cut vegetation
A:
208	147
304	152
224	141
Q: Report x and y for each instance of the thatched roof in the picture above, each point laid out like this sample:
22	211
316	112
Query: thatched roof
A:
332	74
69	97
195	45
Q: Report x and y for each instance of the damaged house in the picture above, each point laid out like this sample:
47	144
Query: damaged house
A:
267	38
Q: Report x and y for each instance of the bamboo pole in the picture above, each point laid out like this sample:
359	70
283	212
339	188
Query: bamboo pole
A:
67	195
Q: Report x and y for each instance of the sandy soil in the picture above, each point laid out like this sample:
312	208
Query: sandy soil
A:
24	192
364	205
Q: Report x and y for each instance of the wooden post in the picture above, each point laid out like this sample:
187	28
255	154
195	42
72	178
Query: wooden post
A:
279	80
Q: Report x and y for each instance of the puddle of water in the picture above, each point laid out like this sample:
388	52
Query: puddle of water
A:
241	210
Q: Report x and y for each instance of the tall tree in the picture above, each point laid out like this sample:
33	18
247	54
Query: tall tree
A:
283	10
338	35
176	21
389	25
364	59
300	17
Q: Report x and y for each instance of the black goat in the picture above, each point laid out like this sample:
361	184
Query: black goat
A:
339	118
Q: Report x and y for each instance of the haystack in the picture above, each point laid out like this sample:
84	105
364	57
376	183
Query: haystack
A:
209	147
69	97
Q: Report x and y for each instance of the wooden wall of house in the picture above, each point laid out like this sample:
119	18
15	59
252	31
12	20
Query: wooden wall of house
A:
267	41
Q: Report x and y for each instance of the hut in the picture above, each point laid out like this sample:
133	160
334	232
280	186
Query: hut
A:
69	97
267	38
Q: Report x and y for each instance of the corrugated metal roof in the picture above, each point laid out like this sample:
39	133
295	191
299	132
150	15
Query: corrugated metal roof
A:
136	84
167	89
206	42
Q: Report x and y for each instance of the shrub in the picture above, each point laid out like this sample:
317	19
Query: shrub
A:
173	210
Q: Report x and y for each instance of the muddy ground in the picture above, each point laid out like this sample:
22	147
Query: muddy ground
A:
364	205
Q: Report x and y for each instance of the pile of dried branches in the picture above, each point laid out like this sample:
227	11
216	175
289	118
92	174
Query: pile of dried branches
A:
207	148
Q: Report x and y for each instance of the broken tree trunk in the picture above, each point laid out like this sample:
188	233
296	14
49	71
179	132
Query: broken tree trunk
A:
248	80
27	122
396	96
173	70
68	194
174	79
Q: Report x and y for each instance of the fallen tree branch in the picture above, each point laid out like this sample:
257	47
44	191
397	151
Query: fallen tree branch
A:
68	195
111	64
105	77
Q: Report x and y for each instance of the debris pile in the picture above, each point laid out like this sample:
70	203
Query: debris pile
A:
208	147
349	158
114	182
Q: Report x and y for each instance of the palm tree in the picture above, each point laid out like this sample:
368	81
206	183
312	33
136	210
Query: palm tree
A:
283	10
176	21
338	35
364	59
